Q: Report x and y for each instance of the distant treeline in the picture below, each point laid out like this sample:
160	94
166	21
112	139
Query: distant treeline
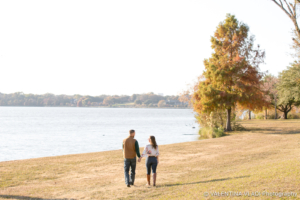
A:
135	100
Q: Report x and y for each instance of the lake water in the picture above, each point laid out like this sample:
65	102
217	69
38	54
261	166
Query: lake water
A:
31	132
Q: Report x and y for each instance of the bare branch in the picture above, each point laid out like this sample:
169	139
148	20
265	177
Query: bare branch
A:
281	108
282	7
281	3
291	107
292	14
291	10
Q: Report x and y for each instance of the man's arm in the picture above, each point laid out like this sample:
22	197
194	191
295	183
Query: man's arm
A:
137	149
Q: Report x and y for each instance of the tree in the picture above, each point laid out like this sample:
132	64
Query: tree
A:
79	103
231	74
161	103
147	102
269	86
286	106
86	101
249	115
133	97
138	102
109	101
290	82
291	10
289	89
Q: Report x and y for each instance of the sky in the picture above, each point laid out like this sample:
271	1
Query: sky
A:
119	47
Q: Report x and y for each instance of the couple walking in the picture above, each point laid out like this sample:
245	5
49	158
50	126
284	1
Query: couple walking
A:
131	149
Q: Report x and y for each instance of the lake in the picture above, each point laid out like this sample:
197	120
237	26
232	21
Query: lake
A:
32	132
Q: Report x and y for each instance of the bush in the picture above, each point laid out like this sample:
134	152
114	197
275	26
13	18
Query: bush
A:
236	126
293	116
212	124
147	102
161	103
271	114
259	116
207	132
214	119
138	102
218	132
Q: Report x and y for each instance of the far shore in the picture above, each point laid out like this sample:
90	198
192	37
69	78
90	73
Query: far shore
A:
98	107
265	158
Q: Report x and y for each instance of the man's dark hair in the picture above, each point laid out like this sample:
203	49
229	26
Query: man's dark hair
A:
131	131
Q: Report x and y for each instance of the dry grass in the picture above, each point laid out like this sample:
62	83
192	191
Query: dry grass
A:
264	158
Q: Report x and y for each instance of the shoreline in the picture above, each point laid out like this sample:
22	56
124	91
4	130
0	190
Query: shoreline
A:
105	151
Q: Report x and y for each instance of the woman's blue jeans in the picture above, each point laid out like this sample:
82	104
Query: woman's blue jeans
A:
151	163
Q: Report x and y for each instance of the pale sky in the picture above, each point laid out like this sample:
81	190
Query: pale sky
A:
125	46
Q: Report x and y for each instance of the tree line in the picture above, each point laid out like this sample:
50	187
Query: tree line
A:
48	99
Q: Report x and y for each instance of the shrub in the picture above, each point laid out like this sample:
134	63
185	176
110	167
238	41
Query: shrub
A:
214	119
293	116
271	116
259	116
236	126
207	132
138	102
161	103
218	132
147	102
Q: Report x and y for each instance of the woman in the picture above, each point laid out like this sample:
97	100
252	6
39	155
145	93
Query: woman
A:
152	153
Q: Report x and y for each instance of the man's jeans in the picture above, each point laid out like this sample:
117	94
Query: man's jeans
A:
129	163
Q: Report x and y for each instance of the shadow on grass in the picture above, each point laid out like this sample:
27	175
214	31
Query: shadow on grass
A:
279	130
209	181
29	198
287	132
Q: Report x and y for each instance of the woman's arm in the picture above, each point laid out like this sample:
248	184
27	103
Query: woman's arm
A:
144	154
157	154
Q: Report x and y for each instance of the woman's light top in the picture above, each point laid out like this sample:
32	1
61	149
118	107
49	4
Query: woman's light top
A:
150	151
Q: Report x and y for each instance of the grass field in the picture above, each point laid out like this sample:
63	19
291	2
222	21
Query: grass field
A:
265	158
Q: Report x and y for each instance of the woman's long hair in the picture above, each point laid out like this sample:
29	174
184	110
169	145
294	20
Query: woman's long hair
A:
153	141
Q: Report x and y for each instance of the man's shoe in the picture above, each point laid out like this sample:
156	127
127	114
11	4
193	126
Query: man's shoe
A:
128	185
131	183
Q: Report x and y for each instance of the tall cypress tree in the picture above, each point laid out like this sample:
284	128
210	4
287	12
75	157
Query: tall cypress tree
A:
231	74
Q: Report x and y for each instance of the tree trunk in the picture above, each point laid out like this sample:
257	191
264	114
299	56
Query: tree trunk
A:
228	125
221	119
266	114
249	114
285	115
275	108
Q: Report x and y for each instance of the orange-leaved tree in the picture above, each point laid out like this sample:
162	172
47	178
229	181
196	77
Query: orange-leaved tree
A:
232	74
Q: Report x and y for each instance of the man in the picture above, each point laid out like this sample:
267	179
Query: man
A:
130	150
